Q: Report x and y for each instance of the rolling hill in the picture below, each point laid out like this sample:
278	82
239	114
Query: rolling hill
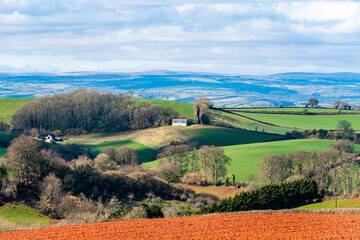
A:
245	157
9	106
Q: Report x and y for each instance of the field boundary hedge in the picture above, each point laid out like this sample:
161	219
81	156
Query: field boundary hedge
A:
274	196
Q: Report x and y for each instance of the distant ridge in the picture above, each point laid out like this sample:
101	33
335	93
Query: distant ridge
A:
290	89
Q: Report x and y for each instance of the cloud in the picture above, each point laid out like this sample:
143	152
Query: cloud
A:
332	17
249	37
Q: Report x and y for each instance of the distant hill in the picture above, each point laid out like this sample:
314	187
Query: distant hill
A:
231	90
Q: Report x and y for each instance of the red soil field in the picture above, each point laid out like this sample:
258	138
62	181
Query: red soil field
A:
252	226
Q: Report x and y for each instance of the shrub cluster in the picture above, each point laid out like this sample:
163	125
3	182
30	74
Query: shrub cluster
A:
274	196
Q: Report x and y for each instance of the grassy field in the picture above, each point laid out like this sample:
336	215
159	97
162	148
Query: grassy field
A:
21	213
245	157
9	106
306	121
145	153
183	108
147	141
218	136
2	151
219	192
289	110
236	121
347	203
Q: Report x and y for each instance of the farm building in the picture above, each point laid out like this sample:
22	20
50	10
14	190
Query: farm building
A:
52	138
180	122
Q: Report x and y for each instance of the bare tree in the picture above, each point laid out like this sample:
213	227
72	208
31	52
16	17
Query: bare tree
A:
313	102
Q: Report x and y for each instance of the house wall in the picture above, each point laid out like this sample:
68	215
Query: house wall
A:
179	124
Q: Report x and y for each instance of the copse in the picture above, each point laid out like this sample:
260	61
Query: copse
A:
91	111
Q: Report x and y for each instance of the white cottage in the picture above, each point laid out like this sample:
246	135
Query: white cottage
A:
180	122
52	138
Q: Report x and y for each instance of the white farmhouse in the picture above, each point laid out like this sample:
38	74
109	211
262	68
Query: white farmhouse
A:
180	122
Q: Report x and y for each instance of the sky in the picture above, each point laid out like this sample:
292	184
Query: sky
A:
233	37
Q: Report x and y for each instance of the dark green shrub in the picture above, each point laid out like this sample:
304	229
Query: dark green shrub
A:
275	196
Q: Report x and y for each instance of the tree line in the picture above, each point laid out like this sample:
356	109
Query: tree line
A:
334	170
91	111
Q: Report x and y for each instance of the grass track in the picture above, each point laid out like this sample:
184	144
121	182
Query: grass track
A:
306	121
9	106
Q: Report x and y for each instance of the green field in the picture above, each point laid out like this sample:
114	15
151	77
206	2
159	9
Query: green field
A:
147	141
289	110
306	121
9	106
219	136
2	151
145	153
183	108
236	121
245	157
21	214
347	203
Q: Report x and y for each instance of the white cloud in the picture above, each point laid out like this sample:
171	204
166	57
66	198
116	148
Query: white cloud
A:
332	17
212	35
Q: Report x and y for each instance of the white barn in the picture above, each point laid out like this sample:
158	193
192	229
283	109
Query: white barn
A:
180	122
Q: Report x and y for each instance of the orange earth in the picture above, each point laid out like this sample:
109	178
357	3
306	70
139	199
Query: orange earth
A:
252	226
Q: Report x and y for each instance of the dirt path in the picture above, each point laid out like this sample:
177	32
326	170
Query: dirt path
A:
256	226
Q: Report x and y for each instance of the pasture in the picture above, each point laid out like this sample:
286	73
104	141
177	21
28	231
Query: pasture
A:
183	108
237	121
218	136
9	106
328	122
20	213
347	203
245	157
2	151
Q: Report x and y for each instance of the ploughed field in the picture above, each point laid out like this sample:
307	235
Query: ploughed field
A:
252	226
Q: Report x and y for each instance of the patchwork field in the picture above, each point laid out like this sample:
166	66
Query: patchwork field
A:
9	106
287	109
347	203
273	226
305	121
236	121
147	141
